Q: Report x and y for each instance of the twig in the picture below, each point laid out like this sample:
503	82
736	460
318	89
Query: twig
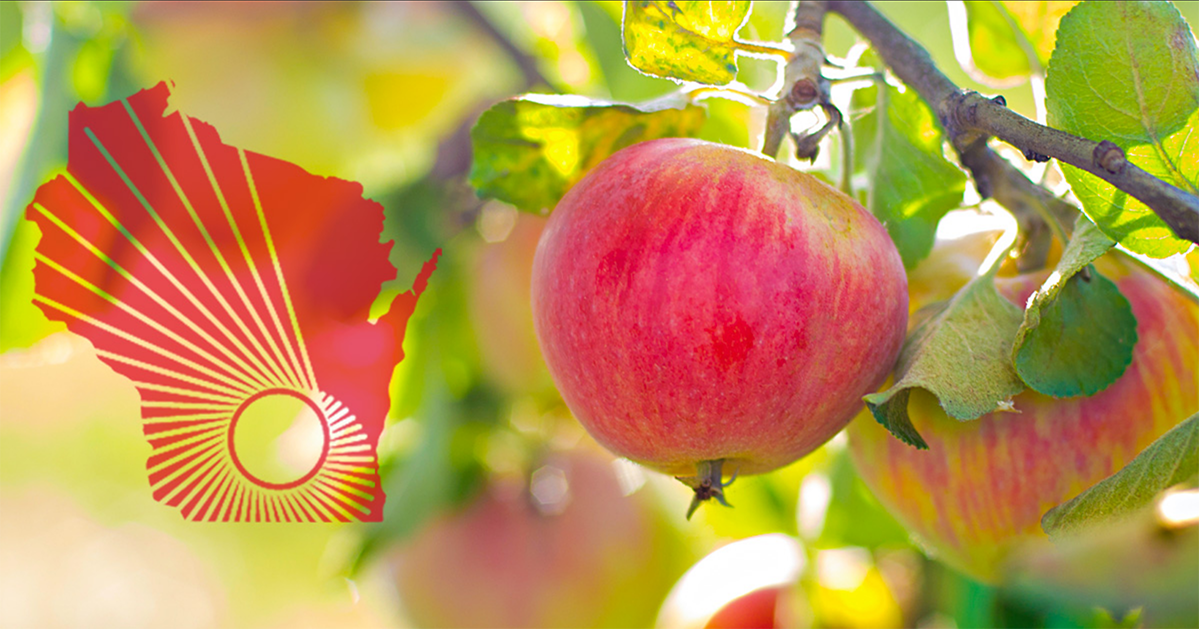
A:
969	118
526	63
804	87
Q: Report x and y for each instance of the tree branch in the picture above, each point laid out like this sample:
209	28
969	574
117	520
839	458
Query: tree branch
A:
804	87
527	64
969	118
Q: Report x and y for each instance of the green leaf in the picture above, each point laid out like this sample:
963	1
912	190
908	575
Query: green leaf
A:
1009	40
913	185
1172	459
1083	340
1038	22
1129	73
529	151
1079	331
686	41
962	355
998	47
854	516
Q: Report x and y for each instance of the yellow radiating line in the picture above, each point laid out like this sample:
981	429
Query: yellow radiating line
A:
250	373
290	365
185	392
287	507
236	490
193	472
343	492
186	405
220	258
329	509
340	424
346	478
342	442
124	335
340	450
345	488
210	474
370	460
221	488
329	502
344	432
303	506
202	443
196	268
166	419
137	314
203	426
355	469
306	498
270	246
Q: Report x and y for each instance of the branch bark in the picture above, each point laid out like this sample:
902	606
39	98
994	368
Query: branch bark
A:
804	86
969	118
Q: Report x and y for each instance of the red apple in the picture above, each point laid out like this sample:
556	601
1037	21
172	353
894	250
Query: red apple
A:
757	610
698	304
981	488
568	550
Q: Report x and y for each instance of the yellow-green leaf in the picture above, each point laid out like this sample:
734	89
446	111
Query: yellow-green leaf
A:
529	151
686	41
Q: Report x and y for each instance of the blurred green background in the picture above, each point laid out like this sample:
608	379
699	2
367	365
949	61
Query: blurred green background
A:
383	93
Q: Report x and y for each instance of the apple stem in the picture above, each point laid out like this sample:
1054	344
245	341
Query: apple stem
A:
707	484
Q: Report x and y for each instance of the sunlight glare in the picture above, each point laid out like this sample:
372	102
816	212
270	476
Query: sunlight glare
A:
728	573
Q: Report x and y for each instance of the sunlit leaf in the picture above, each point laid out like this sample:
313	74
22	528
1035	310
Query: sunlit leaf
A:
1129	73
1010	39
685	40
1172	459
1078	331
529	151
912	184
962	355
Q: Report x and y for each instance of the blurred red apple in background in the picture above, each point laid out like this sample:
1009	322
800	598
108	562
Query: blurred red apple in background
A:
982	486
500	309
567	550
757	610
699	304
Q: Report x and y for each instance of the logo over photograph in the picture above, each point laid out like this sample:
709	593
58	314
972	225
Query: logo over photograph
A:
235	291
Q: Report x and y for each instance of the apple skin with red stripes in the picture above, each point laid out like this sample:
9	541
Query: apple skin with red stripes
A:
697	303
980	489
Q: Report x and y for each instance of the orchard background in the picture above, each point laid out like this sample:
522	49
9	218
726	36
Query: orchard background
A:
387	93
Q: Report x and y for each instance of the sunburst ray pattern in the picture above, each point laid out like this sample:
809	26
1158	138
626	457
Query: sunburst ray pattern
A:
214	278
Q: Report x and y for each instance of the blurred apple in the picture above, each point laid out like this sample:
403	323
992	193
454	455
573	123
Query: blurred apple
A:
759	609
501	310
980	489
566	550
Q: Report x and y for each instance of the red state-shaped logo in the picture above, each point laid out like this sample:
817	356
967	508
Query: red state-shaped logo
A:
231	288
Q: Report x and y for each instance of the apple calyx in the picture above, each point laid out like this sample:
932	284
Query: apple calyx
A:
708	484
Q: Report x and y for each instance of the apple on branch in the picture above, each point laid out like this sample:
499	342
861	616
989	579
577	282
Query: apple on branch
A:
706	311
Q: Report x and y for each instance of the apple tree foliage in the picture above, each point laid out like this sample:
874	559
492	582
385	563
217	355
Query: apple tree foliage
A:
1123	71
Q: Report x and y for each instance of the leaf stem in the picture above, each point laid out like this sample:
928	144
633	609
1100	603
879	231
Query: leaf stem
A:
762	49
